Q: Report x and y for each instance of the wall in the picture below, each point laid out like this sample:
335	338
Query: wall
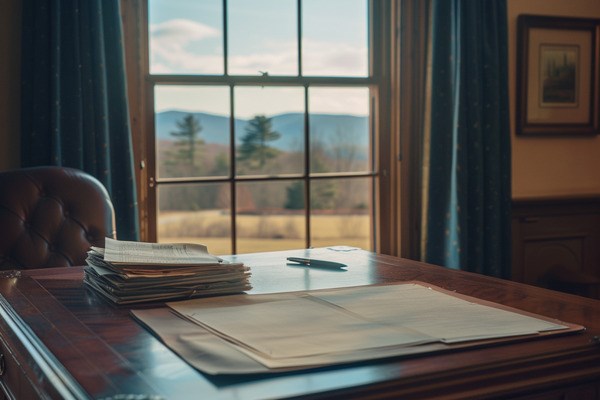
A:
10	34
551	166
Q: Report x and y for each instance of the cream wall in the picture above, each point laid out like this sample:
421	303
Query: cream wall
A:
10	15
550	166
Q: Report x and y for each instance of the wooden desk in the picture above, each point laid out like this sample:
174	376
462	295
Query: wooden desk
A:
60	340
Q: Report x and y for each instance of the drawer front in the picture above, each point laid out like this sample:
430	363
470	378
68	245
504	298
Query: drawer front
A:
561	252
14	380
10	373
581	392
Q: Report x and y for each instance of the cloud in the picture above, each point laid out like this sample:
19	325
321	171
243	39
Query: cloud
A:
179	61
320	58
183	46
173	47
182	30
278	57
334	58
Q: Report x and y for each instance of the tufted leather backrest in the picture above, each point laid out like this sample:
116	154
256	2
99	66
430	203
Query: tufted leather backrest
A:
49	217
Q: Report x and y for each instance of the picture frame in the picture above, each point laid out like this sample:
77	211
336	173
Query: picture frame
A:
557	76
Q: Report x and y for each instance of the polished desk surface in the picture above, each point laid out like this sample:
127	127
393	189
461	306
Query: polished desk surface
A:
79	345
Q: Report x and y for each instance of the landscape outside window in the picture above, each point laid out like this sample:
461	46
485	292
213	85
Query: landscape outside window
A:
247	127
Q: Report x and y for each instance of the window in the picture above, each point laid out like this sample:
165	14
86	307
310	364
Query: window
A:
266	125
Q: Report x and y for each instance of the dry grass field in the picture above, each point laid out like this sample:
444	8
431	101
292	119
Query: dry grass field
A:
262	232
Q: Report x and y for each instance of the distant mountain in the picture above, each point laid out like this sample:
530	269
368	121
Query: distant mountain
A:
327	128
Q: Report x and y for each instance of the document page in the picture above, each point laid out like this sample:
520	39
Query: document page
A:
121	251
449	319
290	329
300	327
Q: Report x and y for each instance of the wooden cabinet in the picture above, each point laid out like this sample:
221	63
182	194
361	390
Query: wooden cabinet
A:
589	391
556	243
14	383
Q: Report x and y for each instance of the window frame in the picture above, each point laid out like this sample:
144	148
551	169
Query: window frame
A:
397	143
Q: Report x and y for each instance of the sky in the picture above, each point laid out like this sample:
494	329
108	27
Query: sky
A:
186	37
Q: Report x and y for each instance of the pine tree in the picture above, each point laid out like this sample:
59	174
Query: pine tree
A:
295	196
187	145
255	147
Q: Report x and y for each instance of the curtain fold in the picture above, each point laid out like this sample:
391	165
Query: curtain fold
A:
74	97
467	222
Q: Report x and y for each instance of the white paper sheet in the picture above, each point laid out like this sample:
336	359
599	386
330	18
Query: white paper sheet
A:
122	251
300	327
278	330
436	314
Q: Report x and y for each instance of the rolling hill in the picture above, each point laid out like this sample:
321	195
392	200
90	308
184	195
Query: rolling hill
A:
325	128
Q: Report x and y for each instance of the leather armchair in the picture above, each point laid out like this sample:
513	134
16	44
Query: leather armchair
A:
49	217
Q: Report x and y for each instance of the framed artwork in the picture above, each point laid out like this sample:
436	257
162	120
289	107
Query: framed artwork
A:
557	76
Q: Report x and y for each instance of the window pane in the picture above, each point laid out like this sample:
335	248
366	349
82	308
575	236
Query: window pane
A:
196	213
268	219
262	37
339	130
341	212
335	41
269	130
192	131
186	36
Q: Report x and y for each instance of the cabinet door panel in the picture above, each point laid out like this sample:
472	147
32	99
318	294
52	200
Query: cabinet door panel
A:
556	245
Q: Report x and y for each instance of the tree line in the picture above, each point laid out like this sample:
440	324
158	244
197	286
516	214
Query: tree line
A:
254	155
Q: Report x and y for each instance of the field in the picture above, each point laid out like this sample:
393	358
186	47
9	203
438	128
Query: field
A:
265	232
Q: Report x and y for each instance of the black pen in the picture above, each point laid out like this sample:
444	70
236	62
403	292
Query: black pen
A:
311	262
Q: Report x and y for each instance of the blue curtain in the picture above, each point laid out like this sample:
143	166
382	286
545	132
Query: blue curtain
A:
467	222
74	98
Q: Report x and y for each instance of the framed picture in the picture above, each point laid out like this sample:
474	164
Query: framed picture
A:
557	76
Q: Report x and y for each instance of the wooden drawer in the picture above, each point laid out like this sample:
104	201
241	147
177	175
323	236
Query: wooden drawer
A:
14	383
21	377
557	245
590	391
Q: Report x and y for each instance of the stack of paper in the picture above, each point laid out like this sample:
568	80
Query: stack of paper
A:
134	272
